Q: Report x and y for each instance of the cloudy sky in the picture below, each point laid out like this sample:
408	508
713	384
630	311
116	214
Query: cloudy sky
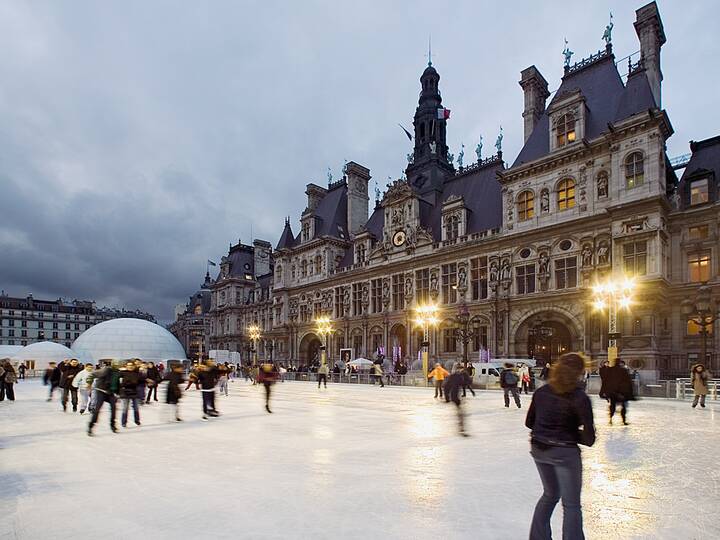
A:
138	139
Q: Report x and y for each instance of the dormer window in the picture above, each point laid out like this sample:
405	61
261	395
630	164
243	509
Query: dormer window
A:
634	170
452	227
526	205
360	253
305	231
699	193
566	129
566	194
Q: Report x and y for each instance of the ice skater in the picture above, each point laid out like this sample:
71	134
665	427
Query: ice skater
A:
267	375
453	384
469	371
323	371
8	378
83	385
617	386
106	382
378	374
207	378
174	393
67	374
509	382
223	374
438	373
152	380
21	371
51	378
699	380
524	376
129	384
557	412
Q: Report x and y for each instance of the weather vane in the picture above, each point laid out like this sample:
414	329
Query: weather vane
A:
567	53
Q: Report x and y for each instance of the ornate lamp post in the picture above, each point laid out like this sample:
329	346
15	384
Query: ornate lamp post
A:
540	333
254	334
426	316
613	295
703	313
323	326
463	332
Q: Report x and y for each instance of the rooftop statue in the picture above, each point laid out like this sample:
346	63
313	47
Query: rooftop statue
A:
498	143
567	53
329	176
607	35
461	156
478	149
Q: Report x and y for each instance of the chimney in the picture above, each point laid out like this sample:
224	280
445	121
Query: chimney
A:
536	92
261	255
314	194
649	28
358	178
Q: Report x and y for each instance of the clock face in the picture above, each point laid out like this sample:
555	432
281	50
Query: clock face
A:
399	238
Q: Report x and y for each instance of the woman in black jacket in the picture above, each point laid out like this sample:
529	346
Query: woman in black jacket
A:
557	412
152	380
129	381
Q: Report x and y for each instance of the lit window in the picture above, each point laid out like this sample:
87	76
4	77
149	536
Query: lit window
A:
526	205
525	279
699	267
566	129
698	233
566	273
635	258
634	170
699	191
566	194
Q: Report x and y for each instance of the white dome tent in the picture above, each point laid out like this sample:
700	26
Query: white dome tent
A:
120	339
38	356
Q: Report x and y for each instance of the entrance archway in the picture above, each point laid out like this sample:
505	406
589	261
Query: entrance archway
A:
398	342
310	349
544	337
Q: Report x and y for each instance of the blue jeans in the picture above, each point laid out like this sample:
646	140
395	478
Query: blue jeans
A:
560	470
126	409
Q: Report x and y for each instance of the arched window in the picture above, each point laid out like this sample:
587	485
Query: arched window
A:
278	274
526	205
634	170
566	194
360	253
452	227
318	264
566	129
303	268
602	185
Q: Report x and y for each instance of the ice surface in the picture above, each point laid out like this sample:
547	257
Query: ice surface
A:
346	462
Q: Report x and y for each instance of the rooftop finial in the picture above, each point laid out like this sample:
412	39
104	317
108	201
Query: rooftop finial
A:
567	53
430	50
607	35
377	194
498	142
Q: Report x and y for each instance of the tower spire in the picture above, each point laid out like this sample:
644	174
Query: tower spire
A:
429	50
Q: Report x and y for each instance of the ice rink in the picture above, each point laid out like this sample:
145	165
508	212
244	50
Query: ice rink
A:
343	463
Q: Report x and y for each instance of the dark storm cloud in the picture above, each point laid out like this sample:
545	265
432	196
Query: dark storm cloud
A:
139	139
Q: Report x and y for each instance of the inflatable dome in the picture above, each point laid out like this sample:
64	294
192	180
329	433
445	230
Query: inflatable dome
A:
120	339
39	355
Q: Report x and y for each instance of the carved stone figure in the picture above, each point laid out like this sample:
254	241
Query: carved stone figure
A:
544	201
607	34
505	270
498	142
543	264
433	147
602	186
587	255
567	53
408	287
346	298
478	149
603	253
461	156
386	291
462	278
493	272
433	281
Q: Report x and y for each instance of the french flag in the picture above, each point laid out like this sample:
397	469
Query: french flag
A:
443	113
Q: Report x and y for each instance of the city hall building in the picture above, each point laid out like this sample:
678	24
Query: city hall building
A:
512	247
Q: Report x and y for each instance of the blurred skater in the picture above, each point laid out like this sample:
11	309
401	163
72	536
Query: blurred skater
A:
21	371
524	376
223	375
207	377
152	380
459	379
469	371
508	382
557	412
83	384
51	377
129	384
68	373
323	371
699	380
618	387
174	393
438	373
106	382
193	377
377	370
8	378
267	375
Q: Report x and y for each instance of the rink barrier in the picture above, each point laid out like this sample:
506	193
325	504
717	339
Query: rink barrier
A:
684	389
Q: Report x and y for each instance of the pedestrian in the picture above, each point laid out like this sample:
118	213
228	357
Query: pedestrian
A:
129	384
106	382
67	375
524	376
602	371
509	383
557	412
267	375
223	373
699	380
378	374
323	371
545	371
21	371
453	384
152	380
617	386
48	378
438	373
8	378
141	369
174	393
469	370
82	382
208	378
193	377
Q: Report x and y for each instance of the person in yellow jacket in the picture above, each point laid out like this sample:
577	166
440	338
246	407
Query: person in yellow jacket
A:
438	373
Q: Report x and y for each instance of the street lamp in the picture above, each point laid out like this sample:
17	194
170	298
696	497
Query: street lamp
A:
426	316
324	328
254	334
613	295
463	332
702	312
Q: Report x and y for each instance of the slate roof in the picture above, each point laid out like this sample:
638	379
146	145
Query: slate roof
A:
607	99
705	159
331	214
201	297
287	238
242	261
